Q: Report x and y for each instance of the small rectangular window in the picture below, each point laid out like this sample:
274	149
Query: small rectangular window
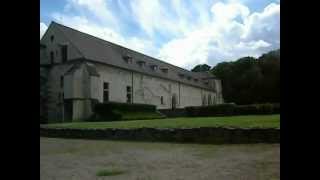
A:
52	57
161	98
129	94
154	67
105	86
51	38
127	59
141	63
61	81
164	70
105	92
64	53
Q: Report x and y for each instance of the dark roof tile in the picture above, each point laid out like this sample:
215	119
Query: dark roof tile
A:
98	50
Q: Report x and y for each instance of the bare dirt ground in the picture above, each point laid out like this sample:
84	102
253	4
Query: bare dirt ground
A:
67	159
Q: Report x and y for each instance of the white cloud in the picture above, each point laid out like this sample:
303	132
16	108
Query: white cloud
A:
231	33
43	28
202	32
151	16
156	18
264	25
99	8
108	34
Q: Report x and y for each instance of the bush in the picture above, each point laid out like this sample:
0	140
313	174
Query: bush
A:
43	120
114	111
245	109
214	110
265	108
276	108
232	109
257	109
125	107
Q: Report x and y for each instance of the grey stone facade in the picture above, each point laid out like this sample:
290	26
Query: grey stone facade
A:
75	83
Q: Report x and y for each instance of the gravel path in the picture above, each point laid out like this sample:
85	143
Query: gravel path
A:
68	159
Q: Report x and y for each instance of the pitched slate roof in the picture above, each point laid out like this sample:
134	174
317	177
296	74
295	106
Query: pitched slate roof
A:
92	70
98	50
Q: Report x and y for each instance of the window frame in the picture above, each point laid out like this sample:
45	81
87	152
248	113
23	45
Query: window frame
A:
51	57
51	38
61	81
161	100
129	94
64	53
106	90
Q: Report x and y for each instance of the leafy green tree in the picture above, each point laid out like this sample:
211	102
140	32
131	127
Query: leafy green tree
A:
249	80
201	68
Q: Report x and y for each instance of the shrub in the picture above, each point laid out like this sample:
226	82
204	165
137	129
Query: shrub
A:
214	110
126	106
276	108
232	109
245	109
114	111
43	120
265	108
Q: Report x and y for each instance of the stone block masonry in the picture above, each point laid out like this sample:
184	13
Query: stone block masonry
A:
204	135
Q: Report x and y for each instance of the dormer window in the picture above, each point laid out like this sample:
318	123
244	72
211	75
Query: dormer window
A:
141	63
181	75
127	59
164	70
154	67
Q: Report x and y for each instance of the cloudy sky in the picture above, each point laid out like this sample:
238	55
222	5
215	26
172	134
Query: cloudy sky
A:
182	32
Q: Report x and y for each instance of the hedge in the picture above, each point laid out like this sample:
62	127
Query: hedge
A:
229	109
113	111
124	107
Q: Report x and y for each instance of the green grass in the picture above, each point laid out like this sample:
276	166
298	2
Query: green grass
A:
250	121
140	115
112	172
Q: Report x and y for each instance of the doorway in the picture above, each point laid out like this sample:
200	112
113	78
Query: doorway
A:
68	110
174	101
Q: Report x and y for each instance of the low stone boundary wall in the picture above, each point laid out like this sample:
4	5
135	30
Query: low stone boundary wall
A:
205	135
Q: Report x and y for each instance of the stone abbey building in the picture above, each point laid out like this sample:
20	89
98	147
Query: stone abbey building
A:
78	70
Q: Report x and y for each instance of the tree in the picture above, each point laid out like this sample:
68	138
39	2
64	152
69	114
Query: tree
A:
201	68
249	80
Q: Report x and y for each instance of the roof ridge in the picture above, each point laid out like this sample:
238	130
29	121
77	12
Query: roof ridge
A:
123	47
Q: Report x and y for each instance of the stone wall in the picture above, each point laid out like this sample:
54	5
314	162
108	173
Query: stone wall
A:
149	90
205	135
55	91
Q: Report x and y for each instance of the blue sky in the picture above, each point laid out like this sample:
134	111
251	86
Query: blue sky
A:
182	32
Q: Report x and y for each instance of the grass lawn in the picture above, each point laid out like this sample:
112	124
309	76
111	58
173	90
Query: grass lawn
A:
107	172
250	121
